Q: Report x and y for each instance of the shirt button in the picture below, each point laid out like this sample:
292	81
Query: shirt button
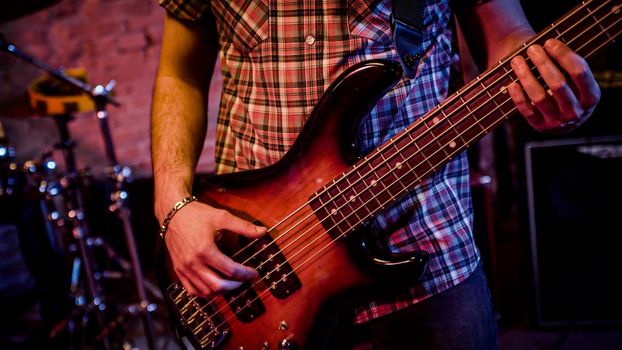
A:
309	40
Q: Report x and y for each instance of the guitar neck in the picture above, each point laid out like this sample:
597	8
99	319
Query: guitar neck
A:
395	168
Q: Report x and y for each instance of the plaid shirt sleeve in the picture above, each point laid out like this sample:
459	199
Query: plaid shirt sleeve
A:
190	10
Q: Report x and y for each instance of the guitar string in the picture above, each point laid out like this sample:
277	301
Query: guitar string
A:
450	99
482	119
483	132
331	242
459	135
393	142
397	138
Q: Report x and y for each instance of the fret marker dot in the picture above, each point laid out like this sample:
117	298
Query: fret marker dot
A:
352	198
334	211
436	120
616	10
452	144
503	90
373	183
398	165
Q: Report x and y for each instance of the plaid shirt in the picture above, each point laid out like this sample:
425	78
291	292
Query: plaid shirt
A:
278	57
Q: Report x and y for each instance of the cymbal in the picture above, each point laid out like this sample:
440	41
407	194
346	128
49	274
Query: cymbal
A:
18	107
15	9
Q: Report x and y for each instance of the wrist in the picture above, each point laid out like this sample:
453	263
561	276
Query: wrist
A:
164	201
171	213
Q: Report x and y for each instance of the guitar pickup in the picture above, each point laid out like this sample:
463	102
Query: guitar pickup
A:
274	269
245	303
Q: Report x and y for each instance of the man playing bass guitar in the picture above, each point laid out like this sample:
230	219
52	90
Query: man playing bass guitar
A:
277	58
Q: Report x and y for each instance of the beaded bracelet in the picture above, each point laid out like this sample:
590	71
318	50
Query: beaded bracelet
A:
172	213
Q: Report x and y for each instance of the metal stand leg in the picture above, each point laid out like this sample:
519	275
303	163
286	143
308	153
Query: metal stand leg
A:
80	231
119	205
101	97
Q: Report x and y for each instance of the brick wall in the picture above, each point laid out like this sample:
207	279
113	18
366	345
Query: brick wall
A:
112	39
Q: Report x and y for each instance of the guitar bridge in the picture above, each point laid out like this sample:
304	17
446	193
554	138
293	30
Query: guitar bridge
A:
198	318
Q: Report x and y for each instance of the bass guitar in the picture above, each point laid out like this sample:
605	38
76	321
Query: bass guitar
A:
320	192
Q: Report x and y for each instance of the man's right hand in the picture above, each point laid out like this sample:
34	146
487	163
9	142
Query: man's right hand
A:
191	242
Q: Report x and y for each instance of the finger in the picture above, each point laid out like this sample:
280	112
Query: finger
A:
578	70
525	107
227	267
567	102
229	222
533	88
195	274
216	283
191	288
204	281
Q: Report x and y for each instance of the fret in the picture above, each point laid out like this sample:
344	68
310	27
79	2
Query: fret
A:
459	121
596	20
505	68
399	182
382	156
353	210
382	195
486	90
451	144
348	181
448	121
358	173
465	105
399	150
375	198
375	160
609	19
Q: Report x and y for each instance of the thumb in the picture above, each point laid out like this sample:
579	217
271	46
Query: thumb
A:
242	227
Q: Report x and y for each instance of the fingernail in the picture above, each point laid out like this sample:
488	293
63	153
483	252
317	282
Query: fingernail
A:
549	44
532	49
260	229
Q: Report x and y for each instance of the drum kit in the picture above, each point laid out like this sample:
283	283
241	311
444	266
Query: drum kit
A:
93	319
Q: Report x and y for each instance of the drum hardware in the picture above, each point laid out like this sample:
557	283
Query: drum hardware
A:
63	203
8	167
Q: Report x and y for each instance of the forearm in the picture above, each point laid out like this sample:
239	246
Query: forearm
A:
178	115
177	132
563	98
493	29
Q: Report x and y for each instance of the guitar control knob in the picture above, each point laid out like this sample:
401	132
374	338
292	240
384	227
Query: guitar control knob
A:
287	344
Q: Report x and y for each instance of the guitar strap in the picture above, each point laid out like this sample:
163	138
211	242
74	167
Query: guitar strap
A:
407	26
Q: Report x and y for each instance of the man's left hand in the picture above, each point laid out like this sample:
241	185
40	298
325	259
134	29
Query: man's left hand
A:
572	91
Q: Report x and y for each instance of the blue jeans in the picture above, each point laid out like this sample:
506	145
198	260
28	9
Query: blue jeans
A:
458	318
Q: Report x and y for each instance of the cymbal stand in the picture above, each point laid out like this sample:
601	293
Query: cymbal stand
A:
120	174
101	97
80	232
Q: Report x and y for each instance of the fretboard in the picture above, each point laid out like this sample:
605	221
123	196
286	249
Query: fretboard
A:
402	163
